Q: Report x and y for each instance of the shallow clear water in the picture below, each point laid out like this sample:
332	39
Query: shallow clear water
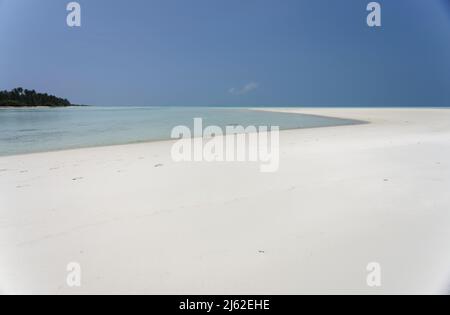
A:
40	130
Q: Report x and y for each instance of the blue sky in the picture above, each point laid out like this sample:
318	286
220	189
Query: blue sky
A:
229	52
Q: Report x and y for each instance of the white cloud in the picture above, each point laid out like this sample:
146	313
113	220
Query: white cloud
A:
245	89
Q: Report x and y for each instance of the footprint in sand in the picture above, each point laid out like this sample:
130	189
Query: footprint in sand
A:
22	186
159	165
23	172
77	178
54	168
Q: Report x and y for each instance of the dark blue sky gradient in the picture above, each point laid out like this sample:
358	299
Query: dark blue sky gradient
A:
192	53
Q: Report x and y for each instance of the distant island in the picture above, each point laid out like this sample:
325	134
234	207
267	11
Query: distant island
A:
19	97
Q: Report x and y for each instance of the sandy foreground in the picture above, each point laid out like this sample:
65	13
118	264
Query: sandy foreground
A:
137	222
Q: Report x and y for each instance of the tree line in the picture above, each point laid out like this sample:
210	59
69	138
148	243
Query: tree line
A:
20	97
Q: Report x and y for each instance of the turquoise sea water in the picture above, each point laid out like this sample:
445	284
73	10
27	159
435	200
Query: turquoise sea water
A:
40	130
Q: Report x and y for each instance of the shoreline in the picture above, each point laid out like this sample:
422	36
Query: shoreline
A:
355	122
294	110
138	222
310	111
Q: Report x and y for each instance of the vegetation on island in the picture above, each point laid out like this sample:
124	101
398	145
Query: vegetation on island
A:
19	97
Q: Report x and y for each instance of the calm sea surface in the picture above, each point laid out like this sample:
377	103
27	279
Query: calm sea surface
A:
40	130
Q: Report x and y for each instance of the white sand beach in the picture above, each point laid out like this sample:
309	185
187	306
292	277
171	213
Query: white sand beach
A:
137	222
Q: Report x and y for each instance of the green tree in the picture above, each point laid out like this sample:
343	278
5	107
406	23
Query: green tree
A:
20	97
